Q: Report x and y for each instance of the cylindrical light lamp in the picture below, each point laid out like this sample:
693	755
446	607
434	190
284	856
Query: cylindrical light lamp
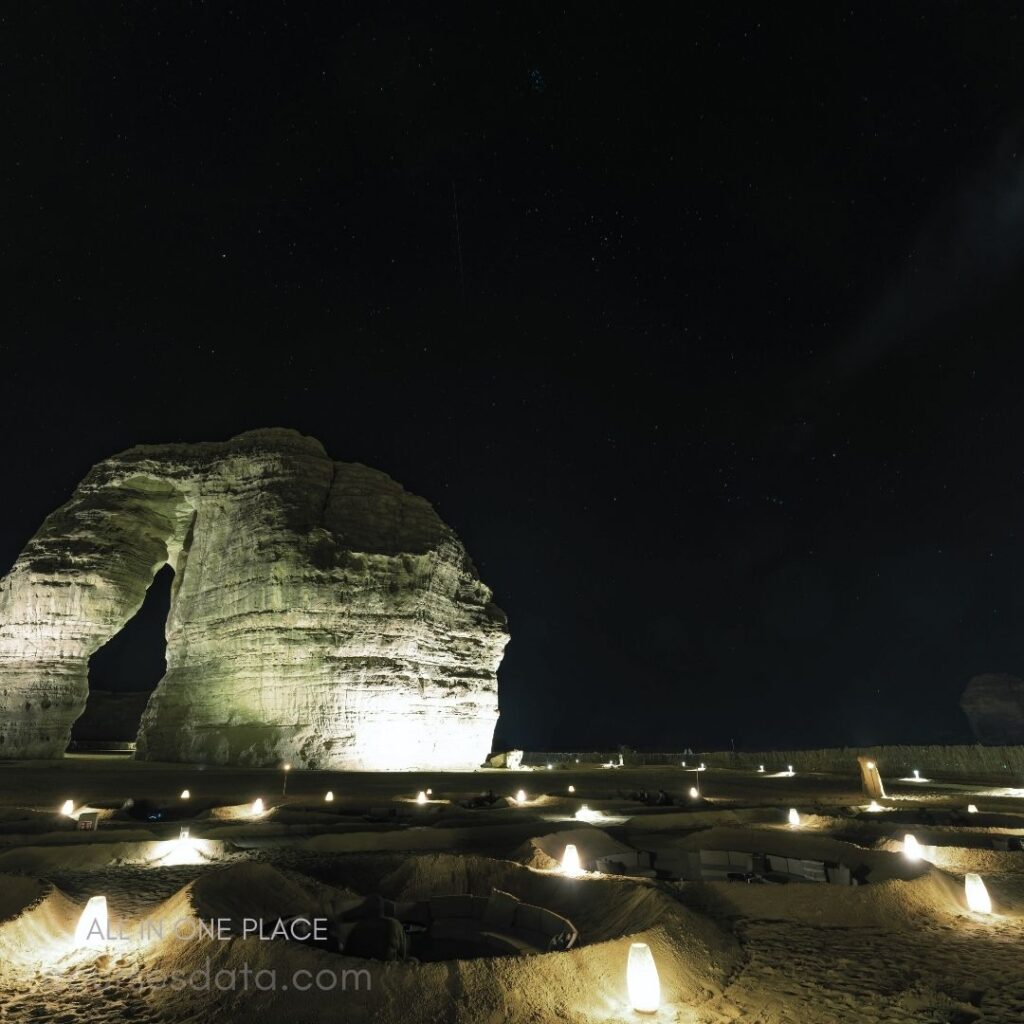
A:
642	979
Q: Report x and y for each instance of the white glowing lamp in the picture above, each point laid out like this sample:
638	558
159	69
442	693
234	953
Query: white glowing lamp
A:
183	834
571	861
642	979
430	792
185	794
521	797
789	768
978	898
917	775
91	929
257	805
703	767
794	817
586	814
421	797
67	808
760	767
874	806
871	766
572	789
912	848
550	766
972	808
329	796
694	792
683	763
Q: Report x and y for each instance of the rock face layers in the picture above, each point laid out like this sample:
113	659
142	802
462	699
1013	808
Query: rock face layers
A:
319	614
994	705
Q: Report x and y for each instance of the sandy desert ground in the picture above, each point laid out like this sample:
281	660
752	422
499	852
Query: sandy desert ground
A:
901	947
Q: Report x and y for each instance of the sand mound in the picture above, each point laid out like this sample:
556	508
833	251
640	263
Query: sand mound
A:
95	855
256	890
37	921
545	852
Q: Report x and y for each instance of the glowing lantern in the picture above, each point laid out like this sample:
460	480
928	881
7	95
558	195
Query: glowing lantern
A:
571	862
794	817
912	848
703	767
760	767
421	798
91	929
521	797
683	763
67	808
257	805
430	792
917	775
329	796
642	979
586	814
550	766
185	794
694	792
977	895
972	808
874	806
789	768
572	789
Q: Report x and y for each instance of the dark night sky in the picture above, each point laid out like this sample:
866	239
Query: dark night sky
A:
726	401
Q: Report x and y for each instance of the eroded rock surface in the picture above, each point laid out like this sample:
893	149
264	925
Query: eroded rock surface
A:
994	705
320	614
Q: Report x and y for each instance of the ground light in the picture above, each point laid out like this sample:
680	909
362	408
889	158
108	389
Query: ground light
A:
642	979
286	768
694	792
521	797
185	794
67	808
874	806
571	862
430	792
572	789
912	848
91	929
257	805
183	834
760	767
977	895
794	817
329	796
789	768
586	814
972	808
421	797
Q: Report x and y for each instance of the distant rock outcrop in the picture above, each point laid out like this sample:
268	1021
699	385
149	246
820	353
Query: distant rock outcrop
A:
994	705
320	614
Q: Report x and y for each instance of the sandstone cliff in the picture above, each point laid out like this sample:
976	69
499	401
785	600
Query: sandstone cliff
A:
320	614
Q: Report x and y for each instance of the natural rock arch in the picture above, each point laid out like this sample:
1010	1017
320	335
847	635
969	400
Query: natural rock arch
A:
319	613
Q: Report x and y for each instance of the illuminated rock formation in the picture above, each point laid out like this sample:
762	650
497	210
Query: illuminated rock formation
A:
994	705
319	613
